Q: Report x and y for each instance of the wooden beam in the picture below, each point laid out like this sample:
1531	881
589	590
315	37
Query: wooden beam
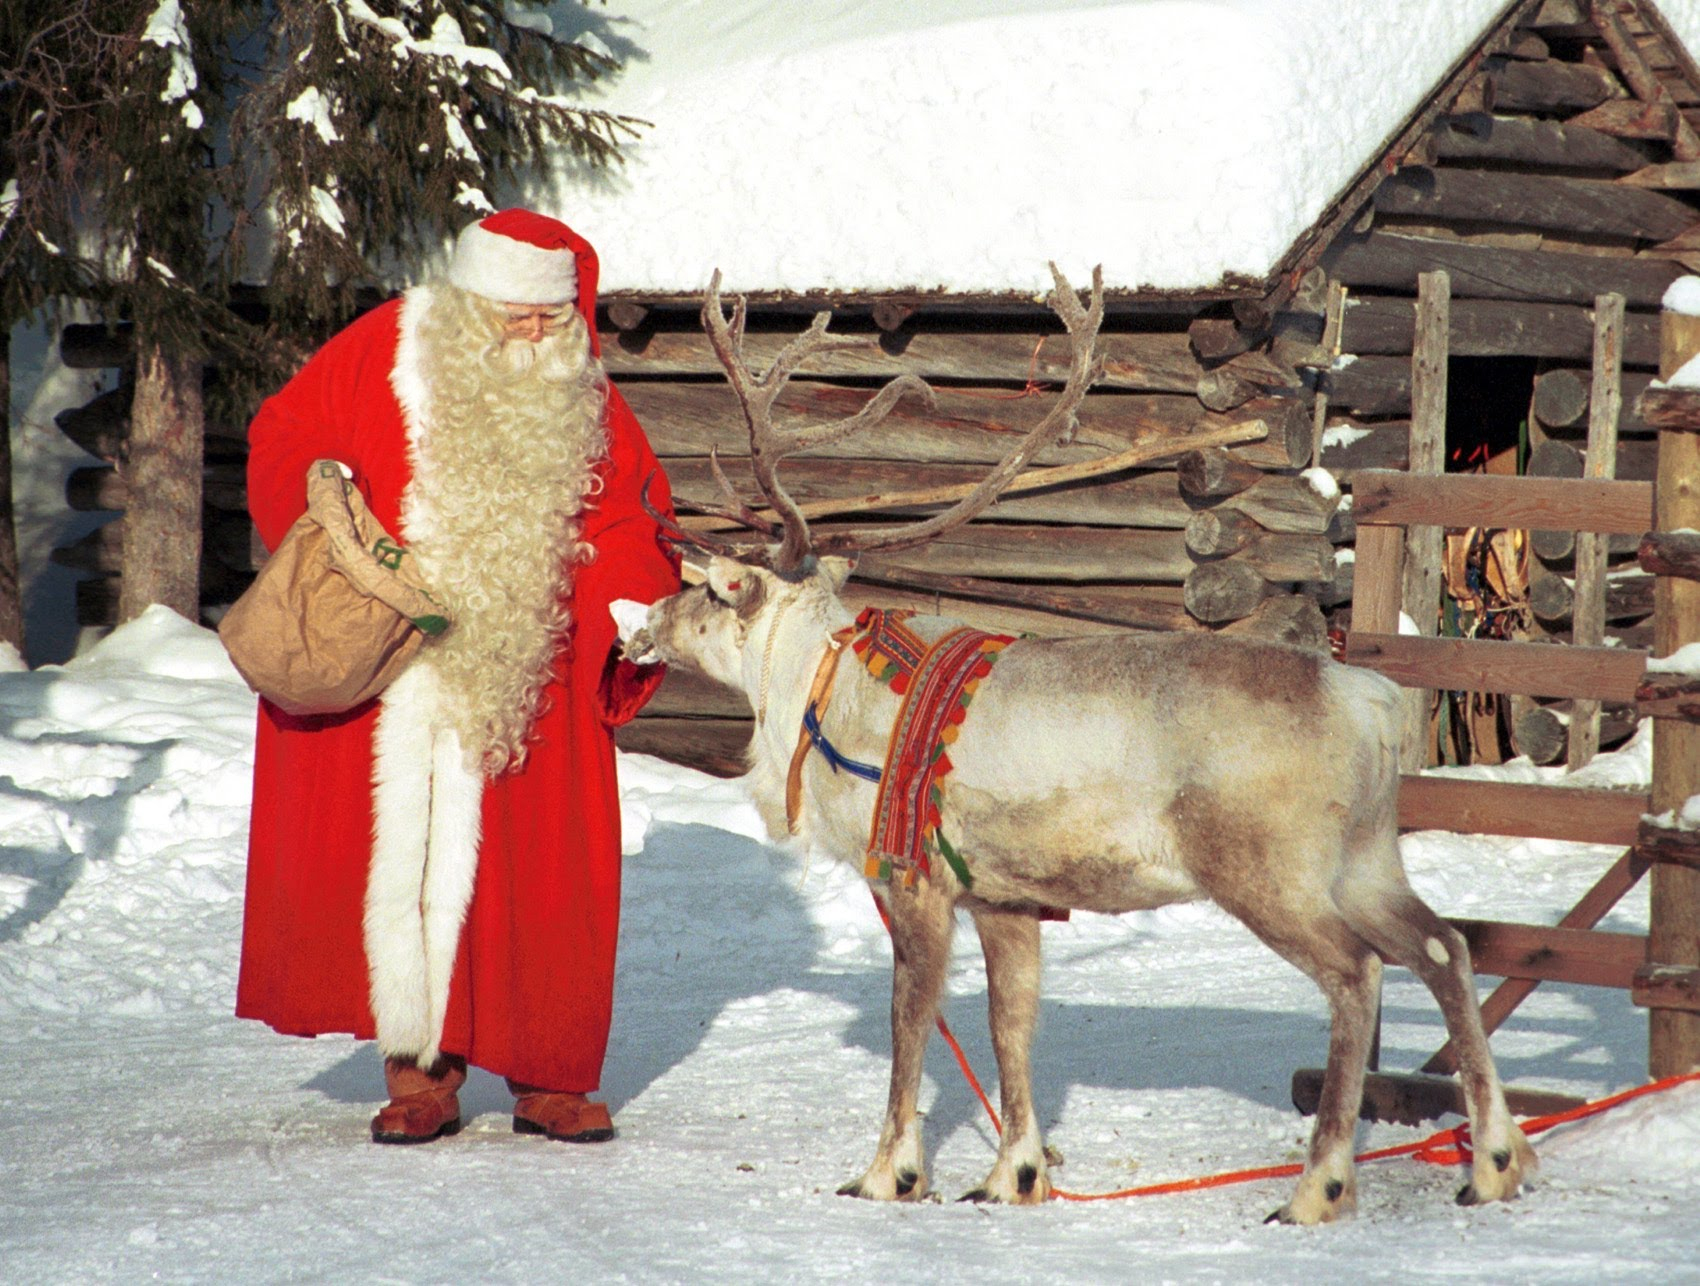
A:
1674	915
1515	808
1425	541
1490	665
1552	203
1588	614
1564	394
1541	733
1412	1098
1632	119
964	426
1669	694
1379	324
713	746
1378	584
684	693
1013	607
1521	140
1668	844
1541	953
1670	553
1552	86
1145	498
1674	408
1154	362
1627	597
1639	77
1667	987
1480	499
1390	260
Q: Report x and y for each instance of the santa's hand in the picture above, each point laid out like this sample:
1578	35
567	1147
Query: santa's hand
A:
631	619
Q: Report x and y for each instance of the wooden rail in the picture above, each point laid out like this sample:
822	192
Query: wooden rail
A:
1572	951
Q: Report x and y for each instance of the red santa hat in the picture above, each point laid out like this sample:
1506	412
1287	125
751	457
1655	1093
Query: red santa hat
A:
522	257
517	257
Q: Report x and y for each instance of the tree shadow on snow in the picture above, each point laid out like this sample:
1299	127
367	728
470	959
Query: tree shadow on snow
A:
98	821
710	918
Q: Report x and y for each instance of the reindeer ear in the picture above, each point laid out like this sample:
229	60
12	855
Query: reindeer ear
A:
737	583
835	571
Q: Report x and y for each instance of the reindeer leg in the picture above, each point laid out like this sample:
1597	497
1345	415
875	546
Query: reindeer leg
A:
1322	945
921	925
1010	941
1408	931
1328	1188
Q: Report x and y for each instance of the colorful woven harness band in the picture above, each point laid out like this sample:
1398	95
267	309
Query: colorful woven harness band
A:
936	679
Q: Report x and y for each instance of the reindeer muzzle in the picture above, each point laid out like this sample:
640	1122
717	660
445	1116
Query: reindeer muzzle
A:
631	618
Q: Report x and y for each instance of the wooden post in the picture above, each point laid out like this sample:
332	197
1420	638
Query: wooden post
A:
1673	1045
1424	544
1588	615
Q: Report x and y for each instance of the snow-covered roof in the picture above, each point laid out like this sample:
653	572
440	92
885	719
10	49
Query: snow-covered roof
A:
957	145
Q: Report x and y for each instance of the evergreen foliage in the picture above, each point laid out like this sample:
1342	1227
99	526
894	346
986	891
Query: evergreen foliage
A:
373	128
166	157
175	162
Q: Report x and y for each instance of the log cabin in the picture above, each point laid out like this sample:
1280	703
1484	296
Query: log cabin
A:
1550	158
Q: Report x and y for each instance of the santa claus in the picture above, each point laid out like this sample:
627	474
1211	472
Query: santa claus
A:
439	868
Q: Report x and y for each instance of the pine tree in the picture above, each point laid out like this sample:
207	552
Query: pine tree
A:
54	63
300	144
375	128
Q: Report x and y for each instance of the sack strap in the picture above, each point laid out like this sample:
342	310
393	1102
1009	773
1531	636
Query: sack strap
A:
382	570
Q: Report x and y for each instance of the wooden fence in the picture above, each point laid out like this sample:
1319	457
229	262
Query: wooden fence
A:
1525	955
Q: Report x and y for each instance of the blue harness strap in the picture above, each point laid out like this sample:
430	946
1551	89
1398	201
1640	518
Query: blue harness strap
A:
811	722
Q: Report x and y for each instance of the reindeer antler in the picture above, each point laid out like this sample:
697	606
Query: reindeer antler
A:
769	445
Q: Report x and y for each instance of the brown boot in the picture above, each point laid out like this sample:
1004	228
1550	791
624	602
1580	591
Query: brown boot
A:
565	1117
422	1102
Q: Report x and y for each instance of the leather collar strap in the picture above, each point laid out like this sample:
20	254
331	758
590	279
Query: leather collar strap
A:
820	692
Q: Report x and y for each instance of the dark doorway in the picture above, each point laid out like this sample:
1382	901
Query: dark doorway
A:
1487	413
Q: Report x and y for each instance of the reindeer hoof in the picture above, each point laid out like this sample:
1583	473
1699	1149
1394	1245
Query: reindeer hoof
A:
852	1189
1287	1215
979	1196
1467	1196
1315	1203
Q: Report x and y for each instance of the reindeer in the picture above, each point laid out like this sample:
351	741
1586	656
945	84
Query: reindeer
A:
1109	773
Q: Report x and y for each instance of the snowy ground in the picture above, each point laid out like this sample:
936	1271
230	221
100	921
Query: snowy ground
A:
145	1132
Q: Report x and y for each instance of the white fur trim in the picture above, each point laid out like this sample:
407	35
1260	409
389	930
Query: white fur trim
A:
510	271
427	824
407	379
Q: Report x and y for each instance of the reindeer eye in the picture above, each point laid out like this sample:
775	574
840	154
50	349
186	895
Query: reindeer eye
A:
714	597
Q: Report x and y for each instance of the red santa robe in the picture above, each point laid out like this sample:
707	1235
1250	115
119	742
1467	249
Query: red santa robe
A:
392	891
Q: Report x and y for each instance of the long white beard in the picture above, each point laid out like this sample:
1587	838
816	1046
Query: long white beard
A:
508	438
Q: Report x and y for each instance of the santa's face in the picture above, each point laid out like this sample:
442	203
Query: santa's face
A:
531	322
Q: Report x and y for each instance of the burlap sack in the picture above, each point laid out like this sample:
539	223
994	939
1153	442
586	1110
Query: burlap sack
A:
337	611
